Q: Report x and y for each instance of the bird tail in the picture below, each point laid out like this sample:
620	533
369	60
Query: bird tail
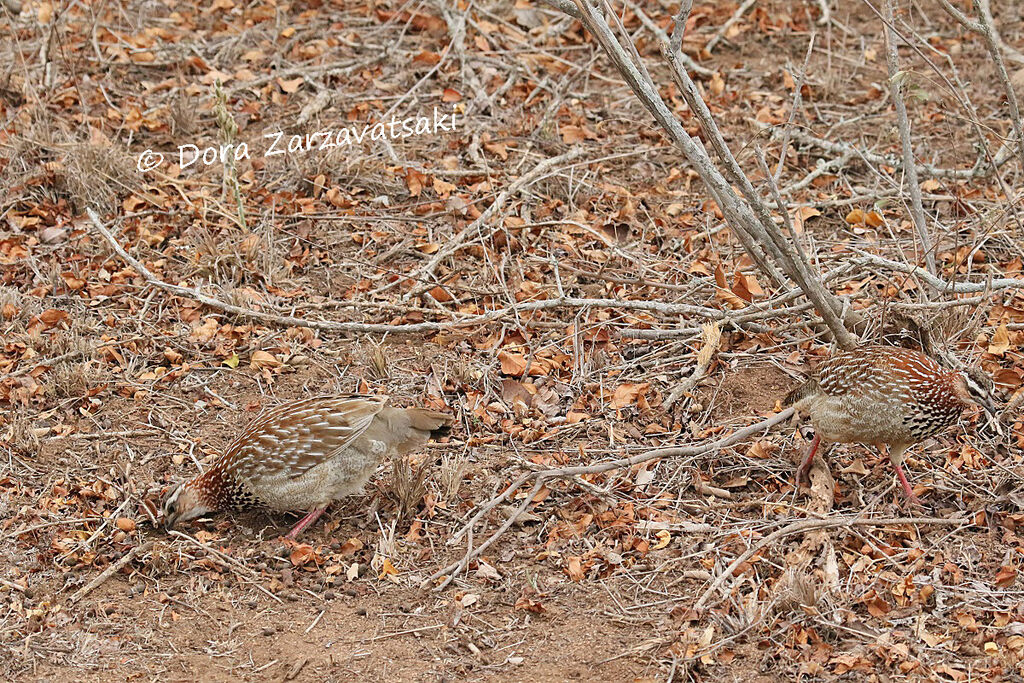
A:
808	388
436	423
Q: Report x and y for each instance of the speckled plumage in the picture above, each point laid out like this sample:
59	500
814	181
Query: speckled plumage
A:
885	395
304	455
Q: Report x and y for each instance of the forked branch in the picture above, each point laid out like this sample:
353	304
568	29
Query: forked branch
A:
747	213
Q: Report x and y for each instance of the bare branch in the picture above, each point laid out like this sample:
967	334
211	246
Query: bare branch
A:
985	27
749	217
896	81
810	524
542	476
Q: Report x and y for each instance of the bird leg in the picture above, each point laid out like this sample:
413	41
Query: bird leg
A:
313	515
896	458
805	467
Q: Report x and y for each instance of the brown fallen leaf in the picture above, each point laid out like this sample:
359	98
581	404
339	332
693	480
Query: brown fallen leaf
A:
263	359
574	568
627	394
1006	576
1000	342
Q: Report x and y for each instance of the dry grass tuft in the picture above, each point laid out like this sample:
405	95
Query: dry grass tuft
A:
19	433
97	176
406	487
68	380
450	475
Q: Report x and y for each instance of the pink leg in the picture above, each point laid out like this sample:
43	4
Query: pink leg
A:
907	488
896	454
313	515
805	467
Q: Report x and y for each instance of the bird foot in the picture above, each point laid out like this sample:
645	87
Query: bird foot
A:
912	502
313	515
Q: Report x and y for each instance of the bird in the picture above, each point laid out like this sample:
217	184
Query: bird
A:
888	395
303	455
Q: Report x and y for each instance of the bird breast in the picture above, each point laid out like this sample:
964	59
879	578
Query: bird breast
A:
888	414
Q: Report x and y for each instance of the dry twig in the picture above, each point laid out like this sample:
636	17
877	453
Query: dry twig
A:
543	476
110	571
808	525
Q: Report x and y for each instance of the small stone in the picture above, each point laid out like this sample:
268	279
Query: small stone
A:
361	611
268	631
329	595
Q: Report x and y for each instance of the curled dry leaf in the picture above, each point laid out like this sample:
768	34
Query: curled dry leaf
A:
628	394
529	605
1006	576
1000	342
303	554
263	359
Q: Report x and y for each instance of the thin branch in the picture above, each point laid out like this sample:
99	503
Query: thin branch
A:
729	23
428	326
750	220
809	524
896	81
538	172
110	571
938	283
540	477
985	27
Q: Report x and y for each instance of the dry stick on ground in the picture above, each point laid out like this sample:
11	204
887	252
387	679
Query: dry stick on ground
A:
226	560
40	362
810	524
896	80
350	327
538	172
935	282
541	477
110	571
839	147
985	27
748	215
729	23
798	86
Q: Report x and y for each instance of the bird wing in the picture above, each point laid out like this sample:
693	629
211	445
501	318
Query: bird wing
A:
295	437
839	374
866	369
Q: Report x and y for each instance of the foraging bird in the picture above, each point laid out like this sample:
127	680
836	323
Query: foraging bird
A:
890	395
304	455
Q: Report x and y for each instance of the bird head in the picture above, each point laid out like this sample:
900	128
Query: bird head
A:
182	504
977	387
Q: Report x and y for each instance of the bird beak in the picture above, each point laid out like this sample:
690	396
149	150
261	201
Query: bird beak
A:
992	416
169	522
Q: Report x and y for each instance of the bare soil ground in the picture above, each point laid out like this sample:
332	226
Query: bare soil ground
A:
111	389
